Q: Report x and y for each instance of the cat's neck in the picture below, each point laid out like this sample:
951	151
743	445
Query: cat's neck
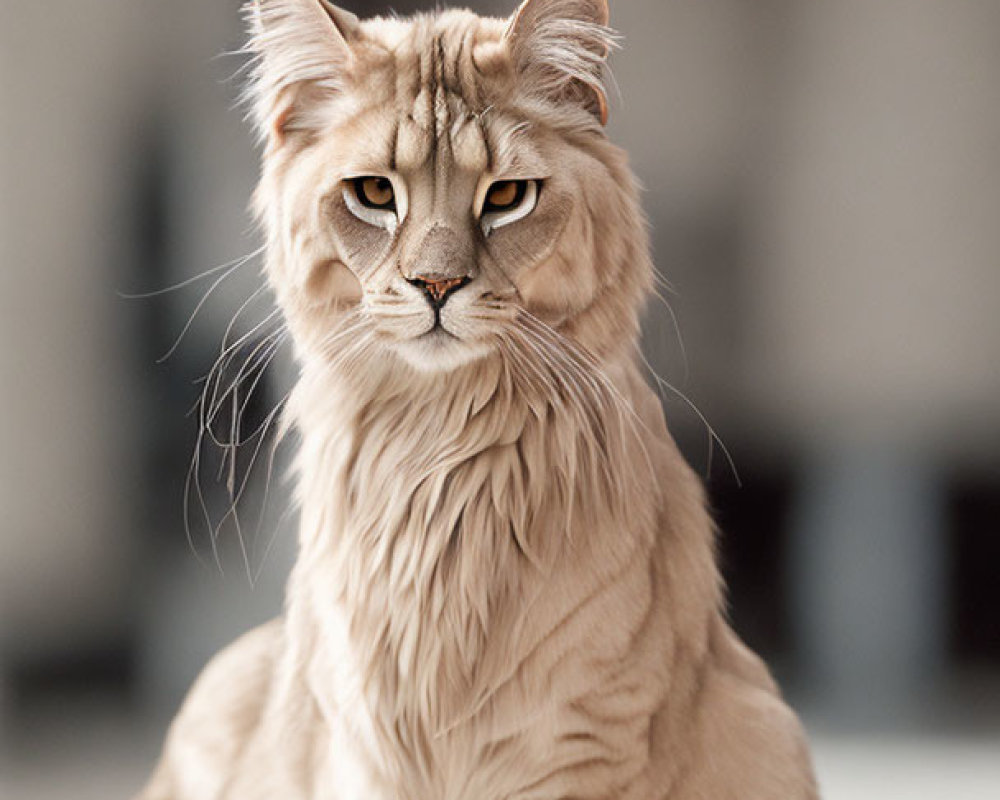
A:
409	453
435	510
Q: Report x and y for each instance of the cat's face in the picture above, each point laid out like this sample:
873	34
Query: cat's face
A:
442	177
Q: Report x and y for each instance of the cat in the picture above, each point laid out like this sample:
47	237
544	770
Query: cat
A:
506	583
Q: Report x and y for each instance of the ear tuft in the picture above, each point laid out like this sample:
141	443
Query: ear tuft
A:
559	49
301	53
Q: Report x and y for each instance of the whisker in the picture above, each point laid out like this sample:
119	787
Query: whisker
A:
239	312
254	367
598	381
712	435
201	304
213	380
236	441
186	506
265	363
190	281
279	438
237	495
238	393
686	364
193	480
270	543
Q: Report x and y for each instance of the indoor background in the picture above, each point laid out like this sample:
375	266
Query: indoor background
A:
823	183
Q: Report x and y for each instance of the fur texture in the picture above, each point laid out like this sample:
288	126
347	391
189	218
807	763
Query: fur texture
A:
506	585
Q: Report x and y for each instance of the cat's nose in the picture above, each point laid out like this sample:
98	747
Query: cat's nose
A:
441	261
438	289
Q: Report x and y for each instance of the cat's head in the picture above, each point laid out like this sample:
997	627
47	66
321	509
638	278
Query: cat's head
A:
444	178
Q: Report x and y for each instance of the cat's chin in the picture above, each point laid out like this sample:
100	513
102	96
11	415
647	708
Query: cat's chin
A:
439	352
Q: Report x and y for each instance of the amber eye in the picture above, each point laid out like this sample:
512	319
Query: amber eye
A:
375	192
504	195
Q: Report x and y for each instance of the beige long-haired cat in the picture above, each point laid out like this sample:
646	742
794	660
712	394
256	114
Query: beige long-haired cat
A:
506	584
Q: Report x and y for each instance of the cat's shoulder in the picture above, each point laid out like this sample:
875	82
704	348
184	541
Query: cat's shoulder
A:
236	670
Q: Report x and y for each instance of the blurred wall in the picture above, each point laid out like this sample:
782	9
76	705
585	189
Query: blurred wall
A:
124	169
875	253
70	84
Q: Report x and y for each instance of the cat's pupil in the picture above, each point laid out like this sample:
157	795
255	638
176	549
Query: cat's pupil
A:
504	194
376	192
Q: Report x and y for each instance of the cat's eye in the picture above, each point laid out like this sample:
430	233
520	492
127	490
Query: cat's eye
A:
507	202
504	195
372	199
375	192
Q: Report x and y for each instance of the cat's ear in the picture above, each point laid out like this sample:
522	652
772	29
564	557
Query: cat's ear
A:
559	49
302	50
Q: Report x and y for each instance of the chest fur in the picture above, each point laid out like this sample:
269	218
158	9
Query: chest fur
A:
438	556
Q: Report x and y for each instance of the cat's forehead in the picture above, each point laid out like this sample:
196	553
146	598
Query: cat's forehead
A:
450	46
437	79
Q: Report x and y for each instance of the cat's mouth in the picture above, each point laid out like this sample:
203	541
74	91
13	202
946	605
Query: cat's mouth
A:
438	335
439	350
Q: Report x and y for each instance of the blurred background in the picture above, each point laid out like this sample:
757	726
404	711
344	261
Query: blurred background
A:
823	181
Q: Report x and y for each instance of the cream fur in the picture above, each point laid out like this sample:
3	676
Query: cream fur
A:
506	585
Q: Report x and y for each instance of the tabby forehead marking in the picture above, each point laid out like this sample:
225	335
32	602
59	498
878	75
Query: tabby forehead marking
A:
440	122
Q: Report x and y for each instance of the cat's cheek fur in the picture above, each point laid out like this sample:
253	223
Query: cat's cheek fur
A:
561	280
361	246
333	284
327	256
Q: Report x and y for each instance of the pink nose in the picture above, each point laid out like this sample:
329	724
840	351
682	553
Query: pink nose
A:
438	289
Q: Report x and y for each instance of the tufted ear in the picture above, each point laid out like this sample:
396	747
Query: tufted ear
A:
302	52
559	49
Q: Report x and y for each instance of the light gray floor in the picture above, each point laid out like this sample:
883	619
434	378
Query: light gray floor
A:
97	753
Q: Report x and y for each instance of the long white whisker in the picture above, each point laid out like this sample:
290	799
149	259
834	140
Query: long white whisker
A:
663	384
266	361
270	542
201	304
193	480
237	496
677	332
213	382
279	438
237	262
236	440
253	367
239	312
